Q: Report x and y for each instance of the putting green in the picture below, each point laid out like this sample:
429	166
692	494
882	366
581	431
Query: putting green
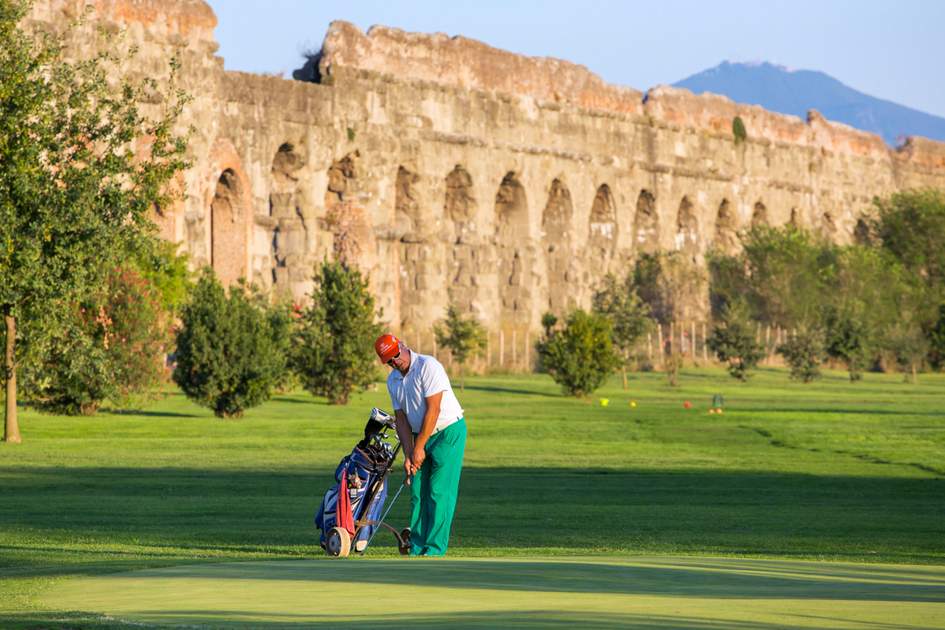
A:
653	592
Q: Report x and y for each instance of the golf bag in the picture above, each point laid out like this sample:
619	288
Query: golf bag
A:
364	472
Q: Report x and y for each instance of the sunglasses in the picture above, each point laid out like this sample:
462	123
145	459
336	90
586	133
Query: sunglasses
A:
390	361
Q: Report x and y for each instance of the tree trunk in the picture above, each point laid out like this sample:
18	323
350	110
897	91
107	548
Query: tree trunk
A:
11	430
623	372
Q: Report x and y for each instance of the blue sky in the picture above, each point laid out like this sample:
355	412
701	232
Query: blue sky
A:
892	50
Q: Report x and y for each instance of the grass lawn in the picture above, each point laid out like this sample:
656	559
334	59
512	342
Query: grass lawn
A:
570	512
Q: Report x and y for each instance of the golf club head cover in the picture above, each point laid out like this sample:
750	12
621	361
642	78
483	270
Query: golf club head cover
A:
343	517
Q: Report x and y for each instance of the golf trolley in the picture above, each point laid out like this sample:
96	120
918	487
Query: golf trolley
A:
350	514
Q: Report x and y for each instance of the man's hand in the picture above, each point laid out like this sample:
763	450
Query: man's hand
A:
408	468
419	456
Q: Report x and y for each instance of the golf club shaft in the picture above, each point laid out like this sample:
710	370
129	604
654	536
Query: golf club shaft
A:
384	516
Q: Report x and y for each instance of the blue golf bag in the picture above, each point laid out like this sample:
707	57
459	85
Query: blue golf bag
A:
365	471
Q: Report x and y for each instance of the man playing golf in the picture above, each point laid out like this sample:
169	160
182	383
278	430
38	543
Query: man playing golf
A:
432	430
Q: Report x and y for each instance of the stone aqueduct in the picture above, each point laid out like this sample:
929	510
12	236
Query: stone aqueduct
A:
455	171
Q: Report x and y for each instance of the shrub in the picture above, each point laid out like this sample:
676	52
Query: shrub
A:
738	130
109	347
628	316
334	343
580	356
733	340
228	355
804	353
464	337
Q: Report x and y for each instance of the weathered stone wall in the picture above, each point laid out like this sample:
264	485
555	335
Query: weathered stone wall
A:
450	170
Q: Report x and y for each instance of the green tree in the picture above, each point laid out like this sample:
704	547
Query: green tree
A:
228	355
109	347
911	226
936	339
72	186
804	352
629	317
733	340
333	345
788	273
580	356
465	337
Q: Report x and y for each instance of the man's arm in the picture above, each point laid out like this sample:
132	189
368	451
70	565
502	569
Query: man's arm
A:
406	439
429	424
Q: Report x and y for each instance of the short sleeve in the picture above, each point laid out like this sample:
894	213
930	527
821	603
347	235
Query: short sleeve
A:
433	379
392	392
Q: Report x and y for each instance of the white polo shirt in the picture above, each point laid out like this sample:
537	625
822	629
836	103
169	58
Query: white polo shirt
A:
409	392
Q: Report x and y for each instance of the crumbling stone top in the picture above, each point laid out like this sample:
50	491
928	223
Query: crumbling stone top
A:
470	64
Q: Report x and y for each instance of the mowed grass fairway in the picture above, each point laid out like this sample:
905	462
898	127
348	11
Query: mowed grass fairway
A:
819	506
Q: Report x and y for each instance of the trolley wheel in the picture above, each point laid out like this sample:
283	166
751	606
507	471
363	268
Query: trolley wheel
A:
338	542
404	547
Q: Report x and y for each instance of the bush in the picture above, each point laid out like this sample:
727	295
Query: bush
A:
936	338
738	130
110	347
464	337
334	343
733	340
628	316
804	352
580	356
228	354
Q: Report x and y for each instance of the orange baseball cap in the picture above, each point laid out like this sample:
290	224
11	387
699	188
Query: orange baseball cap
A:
387	347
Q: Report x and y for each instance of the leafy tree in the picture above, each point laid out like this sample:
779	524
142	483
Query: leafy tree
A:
464	336
936	338
580	356
847	339
167	270
788	274
629	317
228	356
733	340
72	186
911	226
666	281
109	347
804	352
334	341
908	346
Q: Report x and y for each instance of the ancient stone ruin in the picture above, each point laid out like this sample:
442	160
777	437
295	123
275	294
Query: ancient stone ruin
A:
448	170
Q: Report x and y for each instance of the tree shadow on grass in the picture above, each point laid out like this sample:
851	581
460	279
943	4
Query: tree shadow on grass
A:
233	512
527	619
504	389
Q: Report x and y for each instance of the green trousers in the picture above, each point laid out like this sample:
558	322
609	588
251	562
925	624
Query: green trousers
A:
434	489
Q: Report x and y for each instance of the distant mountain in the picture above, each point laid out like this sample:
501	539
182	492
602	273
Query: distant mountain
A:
796	91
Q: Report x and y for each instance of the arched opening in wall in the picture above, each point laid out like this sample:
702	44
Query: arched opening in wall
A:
759	216
342	180
687	228
459	205
344	216
414	279
513	249
828	225
726	229
556	227
795	220
862	233
646	223
228	229
406	205
286	224
602	231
